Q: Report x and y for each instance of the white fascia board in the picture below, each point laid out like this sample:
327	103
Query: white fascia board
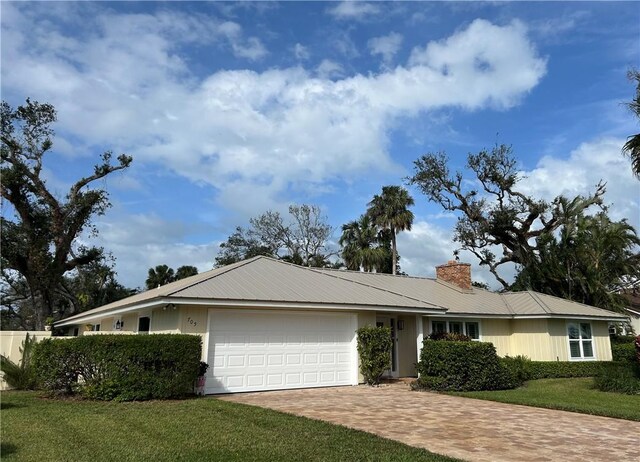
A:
449	314
242	304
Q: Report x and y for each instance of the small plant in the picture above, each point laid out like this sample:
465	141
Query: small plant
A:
202	370
49	321
20	376
374	351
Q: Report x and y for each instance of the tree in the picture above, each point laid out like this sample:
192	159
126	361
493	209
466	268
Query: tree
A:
240	246
185	272
302	239
632	146
360	245
389	210
159	276
496	216
586	261
95	285
39	242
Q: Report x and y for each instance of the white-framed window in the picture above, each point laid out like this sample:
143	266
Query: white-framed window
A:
96	328
457	326
580	339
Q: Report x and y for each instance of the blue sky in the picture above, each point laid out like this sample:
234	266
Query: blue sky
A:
230	109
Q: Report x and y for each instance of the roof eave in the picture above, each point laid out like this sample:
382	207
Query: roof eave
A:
80	319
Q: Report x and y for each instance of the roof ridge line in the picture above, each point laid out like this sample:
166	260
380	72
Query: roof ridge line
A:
318	271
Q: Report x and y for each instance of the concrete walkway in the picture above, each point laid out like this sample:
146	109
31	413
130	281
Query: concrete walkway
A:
468	429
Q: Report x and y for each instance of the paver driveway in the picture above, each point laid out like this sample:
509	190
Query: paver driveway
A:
466	428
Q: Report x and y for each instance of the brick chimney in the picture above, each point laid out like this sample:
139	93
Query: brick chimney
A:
455	273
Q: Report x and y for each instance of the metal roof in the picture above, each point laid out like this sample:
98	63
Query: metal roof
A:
269	281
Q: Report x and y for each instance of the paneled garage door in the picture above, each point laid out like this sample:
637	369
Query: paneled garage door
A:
272	350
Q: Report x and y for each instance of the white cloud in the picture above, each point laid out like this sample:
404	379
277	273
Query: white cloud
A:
387	46
301	52
354	10
328	69
588	164
427	246
124	84
139	242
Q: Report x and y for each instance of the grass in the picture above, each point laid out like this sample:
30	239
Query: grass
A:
577	395
39	429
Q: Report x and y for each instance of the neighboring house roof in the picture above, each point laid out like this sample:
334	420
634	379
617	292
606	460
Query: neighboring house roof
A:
266	281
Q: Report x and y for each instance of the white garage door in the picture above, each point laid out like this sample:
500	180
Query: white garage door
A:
267	350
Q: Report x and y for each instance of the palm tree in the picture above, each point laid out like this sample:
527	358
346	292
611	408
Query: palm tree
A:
632	146
185	272
389	210
159	276
360	249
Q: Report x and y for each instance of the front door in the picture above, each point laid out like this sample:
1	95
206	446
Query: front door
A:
389	321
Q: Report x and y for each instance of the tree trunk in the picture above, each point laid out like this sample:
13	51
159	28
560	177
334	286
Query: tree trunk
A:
394	252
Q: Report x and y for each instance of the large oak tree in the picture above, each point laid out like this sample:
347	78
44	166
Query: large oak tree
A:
40	231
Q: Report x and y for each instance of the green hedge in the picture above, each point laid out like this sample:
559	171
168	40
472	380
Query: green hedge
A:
462	366
624	352
565	369
374	351
119	367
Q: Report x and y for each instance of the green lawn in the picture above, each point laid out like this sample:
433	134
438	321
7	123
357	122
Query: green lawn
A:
576	395
206	429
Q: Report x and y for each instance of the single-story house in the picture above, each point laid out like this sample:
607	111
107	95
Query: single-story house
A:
269	325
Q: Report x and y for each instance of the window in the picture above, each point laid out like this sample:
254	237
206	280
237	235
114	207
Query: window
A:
143	325
473	330
469	328
96	328
580	340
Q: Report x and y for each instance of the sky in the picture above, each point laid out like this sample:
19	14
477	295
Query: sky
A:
232	109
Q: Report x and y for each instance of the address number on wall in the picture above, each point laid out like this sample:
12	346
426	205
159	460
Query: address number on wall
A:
192	321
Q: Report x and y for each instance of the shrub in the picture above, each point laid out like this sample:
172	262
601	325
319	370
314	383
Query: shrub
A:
637	344
20	376
621	339
462	366
449	336
120	367
619	377
565	369
374	350
519	368
625	352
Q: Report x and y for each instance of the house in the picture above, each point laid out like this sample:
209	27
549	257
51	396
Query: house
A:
268	325
631	324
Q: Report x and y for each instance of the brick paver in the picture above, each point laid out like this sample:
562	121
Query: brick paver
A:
465	428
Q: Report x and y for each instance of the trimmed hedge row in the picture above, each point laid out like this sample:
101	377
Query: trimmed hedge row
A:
565	369
119	367
462	366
